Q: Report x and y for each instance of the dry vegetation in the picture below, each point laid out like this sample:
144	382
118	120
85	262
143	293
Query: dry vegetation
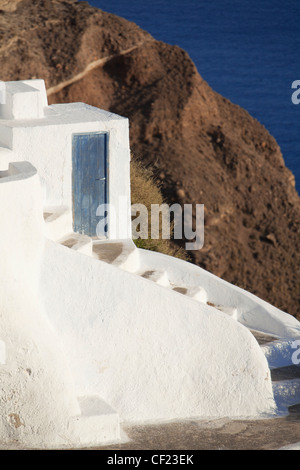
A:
145	190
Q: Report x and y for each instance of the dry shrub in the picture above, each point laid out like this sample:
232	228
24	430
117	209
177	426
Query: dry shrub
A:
145	190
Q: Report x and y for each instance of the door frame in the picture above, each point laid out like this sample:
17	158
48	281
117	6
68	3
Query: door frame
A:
106	167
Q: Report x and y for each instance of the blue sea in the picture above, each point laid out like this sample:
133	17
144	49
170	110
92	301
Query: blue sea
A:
247	50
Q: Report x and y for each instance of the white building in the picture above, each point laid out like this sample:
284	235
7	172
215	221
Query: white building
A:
95	333
81	153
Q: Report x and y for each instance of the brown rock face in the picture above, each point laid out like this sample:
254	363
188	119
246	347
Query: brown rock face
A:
203	148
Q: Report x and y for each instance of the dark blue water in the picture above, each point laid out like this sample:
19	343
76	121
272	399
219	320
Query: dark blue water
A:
249	51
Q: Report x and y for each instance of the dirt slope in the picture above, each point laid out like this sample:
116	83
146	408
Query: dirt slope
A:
203	148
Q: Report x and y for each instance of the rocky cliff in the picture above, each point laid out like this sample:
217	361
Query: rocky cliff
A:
202	148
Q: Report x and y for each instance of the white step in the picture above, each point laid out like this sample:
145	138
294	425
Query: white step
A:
231	311
159	277
78	242
195	292
121	253
98	423
58	222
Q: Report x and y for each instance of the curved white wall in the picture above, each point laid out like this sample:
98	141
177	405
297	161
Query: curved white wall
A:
151	353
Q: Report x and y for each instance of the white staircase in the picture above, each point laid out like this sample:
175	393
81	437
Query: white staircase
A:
125	255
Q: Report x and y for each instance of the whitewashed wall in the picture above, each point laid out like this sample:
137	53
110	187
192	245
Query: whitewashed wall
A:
36	390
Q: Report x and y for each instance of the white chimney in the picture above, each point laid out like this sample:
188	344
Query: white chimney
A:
22	99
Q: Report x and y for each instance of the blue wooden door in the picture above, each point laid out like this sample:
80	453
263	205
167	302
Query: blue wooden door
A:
89	179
